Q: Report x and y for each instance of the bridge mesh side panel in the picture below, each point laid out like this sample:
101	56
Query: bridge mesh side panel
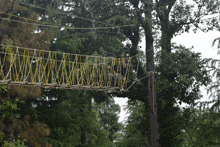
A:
71	71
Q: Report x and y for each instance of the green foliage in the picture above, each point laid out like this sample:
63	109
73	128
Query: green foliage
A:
18	143
201	129
180	76
135	131
68	43
71	121
23	127
8	42
182	73
2	135
107	112
8	109
213	89
3	87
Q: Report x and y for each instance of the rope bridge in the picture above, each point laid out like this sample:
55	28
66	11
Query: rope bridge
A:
32	67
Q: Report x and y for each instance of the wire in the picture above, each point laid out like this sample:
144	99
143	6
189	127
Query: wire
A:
49	23
21	17
52	26
138	80
40	50
68	14
30	23
107	32
53	51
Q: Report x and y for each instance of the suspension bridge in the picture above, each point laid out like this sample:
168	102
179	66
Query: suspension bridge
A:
48	69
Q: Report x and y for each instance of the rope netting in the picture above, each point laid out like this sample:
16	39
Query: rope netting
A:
28	67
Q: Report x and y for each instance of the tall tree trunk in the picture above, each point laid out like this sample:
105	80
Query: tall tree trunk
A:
152	102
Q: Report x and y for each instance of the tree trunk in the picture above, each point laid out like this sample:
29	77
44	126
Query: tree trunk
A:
166	41
152	103
86	130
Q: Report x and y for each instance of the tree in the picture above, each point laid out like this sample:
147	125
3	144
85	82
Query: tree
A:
181	80
201	129
137	9
71	122
169	17
14	33
175	17
108	113
75	41
18	124
135	131
213	88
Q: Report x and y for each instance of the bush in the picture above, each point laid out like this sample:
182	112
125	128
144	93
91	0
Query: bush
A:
18	143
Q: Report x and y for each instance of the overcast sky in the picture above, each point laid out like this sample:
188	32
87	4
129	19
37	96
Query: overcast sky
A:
202	43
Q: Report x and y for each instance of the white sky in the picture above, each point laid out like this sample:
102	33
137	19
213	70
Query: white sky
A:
202	43
122	102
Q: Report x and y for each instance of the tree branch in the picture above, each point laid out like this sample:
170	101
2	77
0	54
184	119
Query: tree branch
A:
171	5
145	24
9	10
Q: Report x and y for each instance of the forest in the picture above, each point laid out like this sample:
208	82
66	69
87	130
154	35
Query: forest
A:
164	74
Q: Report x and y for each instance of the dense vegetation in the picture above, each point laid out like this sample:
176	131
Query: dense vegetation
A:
35	117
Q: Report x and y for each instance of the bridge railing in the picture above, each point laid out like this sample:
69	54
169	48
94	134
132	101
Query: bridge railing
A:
28	67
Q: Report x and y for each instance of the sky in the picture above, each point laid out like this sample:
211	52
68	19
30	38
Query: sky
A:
202	43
